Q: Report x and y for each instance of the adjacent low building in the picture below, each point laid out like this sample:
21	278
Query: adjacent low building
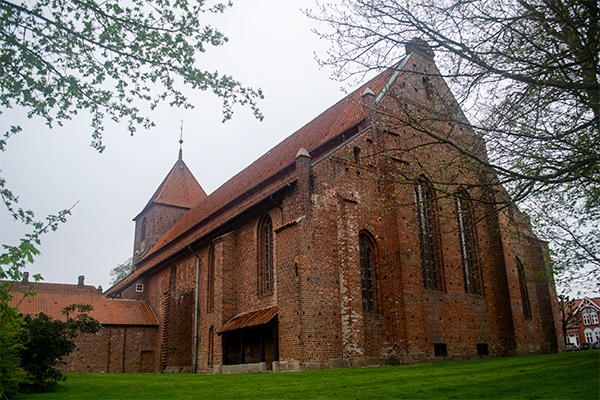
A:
127	340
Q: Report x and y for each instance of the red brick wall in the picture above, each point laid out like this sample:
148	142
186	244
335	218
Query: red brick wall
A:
128	349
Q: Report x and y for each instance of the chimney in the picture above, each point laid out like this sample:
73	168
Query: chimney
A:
25	280
80	282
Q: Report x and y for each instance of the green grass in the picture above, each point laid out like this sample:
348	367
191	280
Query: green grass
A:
555	376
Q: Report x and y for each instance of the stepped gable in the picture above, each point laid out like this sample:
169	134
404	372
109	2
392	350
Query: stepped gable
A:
179	189
269	173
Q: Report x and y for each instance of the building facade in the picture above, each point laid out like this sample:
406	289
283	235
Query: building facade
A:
361	239
586	324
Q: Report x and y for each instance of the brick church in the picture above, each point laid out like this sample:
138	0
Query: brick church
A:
356	241
361	239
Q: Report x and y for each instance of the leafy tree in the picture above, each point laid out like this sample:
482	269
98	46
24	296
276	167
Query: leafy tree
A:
568	317
11	373
525	71
121	271
108	58
46	341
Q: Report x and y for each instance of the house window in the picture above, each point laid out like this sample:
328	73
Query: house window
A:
265	255
139	287
589	335
596	335
594	318
586	318
367	262
524	290
573	338
467	235
427	224
210	295
440	349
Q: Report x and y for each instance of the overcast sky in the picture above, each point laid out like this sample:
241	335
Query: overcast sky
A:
271	46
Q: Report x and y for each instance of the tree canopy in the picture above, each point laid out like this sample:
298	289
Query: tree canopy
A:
526	73
109	58
60	57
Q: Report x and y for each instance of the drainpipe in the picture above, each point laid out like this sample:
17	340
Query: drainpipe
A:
194	367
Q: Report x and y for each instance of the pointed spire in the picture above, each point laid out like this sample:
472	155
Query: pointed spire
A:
181	141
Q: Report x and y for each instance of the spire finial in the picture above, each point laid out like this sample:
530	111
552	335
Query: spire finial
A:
181	141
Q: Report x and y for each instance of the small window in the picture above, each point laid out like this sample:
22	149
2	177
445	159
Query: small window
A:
482	349
594	317
139	287
440	349
596	335
357	155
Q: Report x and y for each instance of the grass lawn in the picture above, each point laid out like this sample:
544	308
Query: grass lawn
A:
555	376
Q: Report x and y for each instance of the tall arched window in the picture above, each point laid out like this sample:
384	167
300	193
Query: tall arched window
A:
265	255
524	290
210	287
367	275
428	242
467	235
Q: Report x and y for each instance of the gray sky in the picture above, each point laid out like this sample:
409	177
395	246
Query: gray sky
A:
271	46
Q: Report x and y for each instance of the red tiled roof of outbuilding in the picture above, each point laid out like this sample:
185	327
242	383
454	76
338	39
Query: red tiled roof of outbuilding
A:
106	311
264	176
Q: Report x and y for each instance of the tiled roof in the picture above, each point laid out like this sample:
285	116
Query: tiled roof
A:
269	173
179	188
250	319
106	311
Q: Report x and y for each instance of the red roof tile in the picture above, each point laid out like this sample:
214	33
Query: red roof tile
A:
269	173
106	311
250	319
179	188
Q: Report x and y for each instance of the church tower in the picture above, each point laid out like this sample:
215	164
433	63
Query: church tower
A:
177	193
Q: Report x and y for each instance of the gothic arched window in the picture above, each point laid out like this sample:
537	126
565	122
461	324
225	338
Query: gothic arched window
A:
265	256
524	290
467	240
428	241
367	274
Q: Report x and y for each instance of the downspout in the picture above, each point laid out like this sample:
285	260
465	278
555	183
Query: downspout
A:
195	362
